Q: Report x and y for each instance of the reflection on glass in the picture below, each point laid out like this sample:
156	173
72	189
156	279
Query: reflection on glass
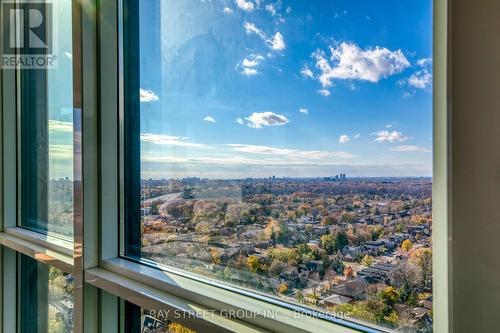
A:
46	298
274	152
47	136
139	320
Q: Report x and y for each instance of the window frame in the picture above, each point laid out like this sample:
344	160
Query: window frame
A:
102	275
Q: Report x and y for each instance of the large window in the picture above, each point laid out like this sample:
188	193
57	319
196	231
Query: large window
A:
283	149
45	132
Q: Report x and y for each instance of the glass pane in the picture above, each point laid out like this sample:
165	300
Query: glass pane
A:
46	136
285	148
139	320
46	298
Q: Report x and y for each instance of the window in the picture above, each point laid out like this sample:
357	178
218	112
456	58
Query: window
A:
283	150
46	298
234	166
46	137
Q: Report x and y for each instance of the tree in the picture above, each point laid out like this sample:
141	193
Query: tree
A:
328	242
329	220
346	217
377	232
367	261
275	231
408	279
215	255
390	296
341	240
253	263
399	228
348	272
155	208
423	259
178	328
283	288
407	245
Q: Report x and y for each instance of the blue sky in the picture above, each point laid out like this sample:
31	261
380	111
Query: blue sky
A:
247	88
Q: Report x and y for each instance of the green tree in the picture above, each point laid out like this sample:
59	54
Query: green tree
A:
341	240
390	296
328	242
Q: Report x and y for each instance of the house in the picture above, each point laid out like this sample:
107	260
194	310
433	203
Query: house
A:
354	289
353	251
334	299
377	273
426	303
421	318
320	230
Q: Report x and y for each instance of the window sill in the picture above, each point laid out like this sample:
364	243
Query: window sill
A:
263	314
46	241
51	254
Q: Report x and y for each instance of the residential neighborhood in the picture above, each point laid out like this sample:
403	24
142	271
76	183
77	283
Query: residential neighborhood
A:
356	247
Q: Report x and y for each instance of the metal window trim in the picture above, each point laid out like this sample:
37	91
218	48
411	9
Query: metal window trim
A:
48	256
221	299
55	244
184	312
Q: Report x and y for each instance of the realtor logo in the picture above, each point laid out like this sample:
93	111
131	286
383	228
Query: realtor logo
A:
28	29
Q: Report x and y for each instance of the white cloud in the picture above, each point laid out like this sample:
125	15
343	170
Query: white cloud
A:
239	121
147	96
304	110
270	8
411	149
388	126
248	71
344	138
251	28
324	92
168	140
260	119
247	6
277	42
306	72
60	126
424	62
252	61
357	135
421	79
248	64
387	136
209	119
349	62
292	153
227	10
